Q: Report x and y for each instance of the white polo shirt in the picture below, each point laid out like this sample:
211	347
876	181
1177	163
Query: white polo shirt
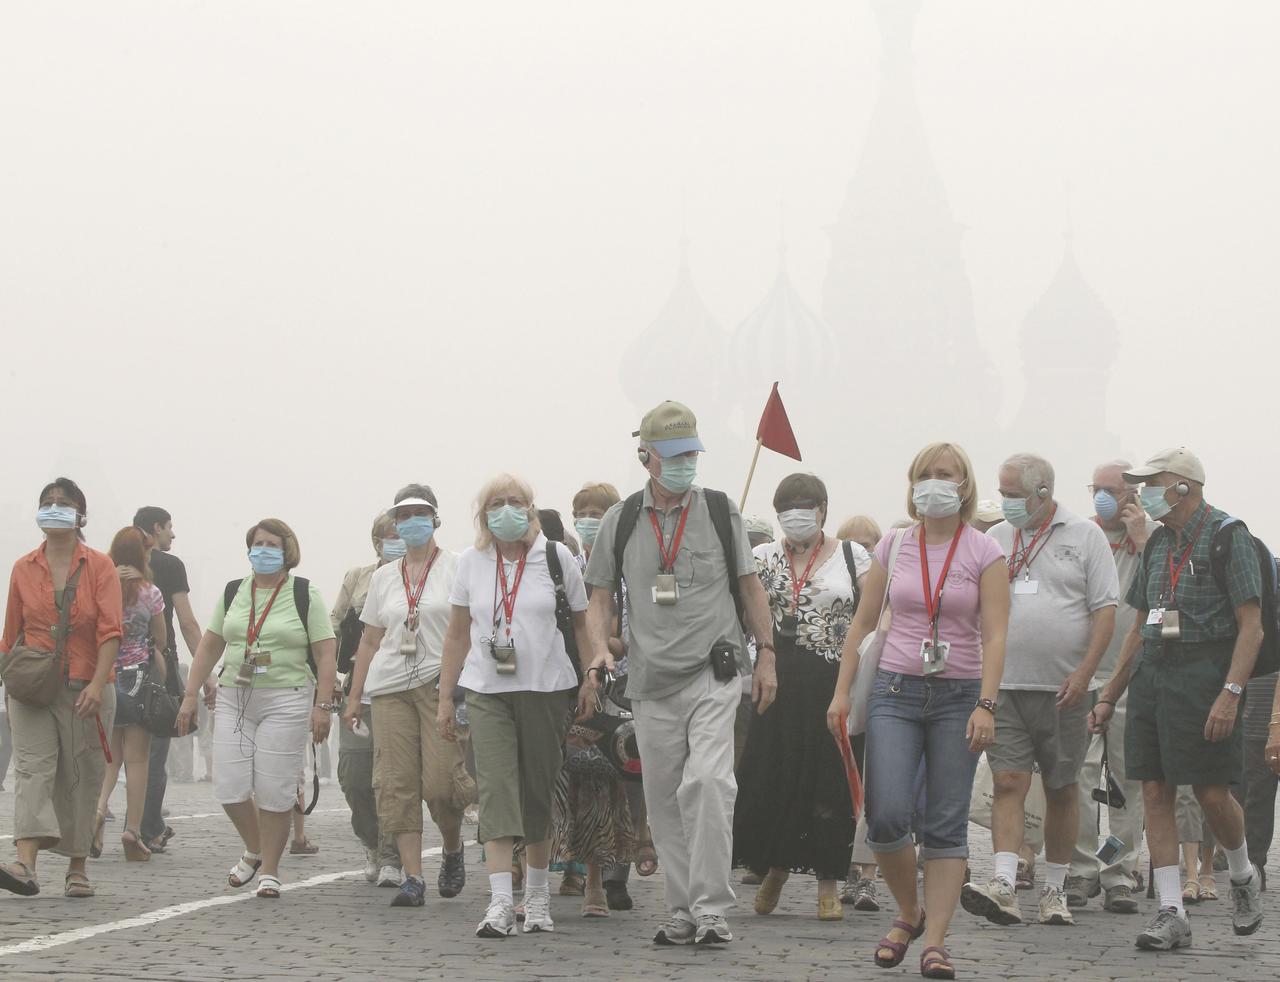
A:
387	606
542	664
1070	575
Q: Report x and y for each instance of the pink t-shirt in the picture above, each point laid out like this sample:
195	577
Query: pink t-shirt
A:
959	623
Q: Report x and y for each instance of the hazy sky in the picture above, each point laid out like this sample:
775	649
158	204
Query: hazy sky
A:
280	258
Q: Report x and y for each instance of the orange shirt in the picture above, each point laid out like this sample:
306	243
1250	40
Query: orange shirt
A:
96	615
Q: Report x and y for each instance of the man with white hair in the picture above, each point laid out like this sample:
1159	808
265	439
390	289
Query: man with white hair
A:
1198	596
683	553
1127	528
1063	608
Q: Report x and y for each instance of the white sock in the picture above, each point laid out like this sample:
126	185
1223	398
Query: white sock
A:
1055	875
500	886
1168	888
535	879
1238	866
1007	866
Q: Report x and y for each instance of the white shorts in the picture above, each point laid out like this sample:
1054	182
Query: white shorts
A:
259	745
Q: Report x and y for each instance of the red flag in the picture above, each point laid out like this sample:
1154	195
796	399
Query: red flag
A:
774	430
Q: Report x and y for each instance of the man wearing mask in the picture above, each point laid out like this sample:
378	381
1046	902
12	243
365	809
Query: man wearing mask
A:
1127	528
1185	662
1063	599
686	562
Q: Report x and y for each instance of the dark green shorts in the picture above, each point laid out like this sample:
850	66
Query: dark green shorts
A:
1172	690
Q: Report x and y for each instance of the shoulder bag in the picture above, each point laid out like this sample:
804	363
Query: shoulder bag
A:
35	677
869	651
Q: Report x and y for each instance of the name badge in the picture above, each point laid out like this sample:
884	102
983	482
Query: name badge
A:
1026	587
1156	616
934	656
665	589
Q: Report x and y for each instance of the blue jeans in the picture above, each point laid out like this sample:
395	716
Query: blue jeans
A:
911	719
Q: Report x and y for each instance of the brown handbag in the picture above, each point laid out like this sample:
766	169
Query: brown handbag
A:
35	677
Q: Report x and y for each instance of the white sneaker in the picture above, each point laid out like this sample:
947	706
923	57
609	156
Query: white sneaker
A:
674	931
712	929
390	876
370	866
537	911
499	920
997	901
1053	907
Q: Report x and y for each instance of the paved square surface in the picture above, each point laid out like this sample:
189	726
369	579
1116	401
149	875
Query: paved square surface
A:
175	918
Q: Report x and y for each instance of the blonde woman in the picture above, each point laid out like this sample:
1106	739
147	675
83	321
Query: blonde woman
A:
505	648
934	696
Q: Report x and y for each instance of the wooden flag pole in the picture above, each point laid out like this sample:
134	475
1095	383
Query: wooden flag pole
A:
750	474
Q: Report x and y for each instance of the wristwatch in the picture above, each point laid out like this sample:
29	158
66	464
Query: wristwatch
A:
326	706
1234	688
988	704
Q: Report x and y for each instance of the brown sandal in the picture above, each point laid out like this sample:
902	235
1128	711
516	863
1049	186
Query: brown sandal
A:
595	903
134	849
935	963
78	886
898	948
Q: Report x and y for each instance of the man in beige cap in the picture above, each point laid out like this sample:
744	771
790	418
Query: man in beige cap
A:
690	575
1185	662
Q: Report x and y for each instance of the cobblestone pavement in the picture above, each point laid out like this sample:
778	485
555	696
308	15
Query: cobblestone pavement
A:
330	924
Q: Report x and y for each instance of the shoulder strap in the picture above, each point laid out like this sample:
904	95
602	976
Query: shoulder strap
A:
847	548
718	506
1220	549
64	615
893	561
564	616
229	595
627	519
302	601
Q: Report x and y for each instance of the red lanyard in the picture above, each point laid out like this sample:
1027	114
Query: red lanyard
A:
509	596
669	556
414	596
1023	558
932	597
251	635
1176	574
798	585
1127	543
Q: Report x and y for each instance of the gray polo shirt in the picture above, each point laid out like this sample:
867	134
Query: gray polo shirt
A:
670	645
1070	575
1128	560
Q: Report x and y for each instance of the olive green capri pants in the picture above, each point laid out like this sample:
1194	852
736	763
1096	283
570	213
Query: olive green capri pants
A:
518	741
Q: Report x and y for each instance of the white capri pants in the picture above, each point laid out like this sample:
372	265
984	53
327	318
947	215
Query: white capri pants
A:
260	744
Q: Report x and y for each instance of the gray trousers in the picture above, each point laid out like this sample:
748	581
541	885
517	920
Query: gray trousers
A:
686	743
355	777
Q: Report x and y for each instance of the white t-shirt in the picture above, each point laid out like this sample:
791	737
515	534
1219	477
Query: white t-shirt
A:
542	664
387	607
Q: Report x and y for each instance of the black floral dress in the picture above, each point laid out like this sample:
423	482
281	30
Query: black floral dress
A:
793	810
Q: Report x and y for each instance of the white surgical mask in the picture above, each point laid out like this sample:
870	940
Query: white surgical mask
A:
936	499
799	524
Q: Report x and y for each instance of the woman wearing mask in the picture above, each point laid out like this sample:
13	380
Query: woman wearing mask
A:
398	665
144	639
933	698
355	745
505	647
266	707
58	749
793	812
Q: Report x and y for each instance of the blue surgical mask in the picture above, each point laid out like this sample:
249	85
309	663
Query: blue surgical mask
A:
678	473
1153	501
393	549
416	530
1015	512
508	524
587	529
1105	505
266	559
56	517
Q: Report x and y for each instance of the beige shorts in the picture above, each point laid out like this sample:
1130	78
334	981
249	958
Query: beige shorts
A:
1030	729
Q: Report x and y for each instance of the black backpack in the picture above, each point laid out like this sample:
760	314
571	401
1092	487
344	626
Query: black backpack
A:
564	613
717	505
1219	555
301	600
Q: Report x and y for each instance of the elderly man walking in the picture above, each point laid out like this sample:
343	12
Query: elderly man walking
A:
1063	608
1127	528
684	555
1195	641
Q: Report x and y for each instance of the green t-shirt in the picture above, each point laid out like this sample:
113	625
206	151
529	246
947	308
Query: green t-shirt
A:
282	635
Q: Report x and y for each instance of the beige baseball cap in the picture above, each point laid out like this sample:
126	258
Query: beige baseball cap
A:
989	511
671	429
1175	460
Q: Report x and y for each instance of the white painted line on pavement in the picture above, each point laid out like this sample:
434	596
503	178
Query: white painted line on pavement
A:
42	942
185	818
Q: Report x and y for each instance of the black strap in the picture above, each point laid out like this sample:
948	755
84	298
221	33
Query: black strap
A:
847	548
315	783
564	613
622	535
64	621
